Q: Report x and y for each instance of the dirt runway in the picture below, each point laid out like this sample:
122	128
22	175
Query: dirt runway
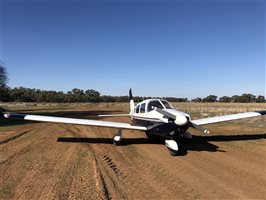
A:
56	161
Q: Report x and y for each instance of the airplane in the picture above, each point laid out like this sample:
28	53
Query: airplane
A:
155	117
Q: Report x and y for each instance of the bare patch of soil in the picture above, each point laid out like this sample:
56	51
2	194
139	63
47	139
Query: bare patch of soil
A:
56	161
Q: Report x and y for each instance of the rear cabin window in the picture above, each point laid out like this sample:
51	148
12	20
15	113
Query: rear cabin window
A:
137	109
142	108
156	104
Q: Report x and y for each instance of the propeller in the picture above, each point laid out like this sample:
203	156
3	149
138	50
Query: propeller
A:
199	128
181	120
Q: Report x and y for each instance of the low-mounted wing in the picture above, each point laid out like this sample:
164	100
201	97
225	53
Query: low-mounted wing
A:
115	115
224	118
65	120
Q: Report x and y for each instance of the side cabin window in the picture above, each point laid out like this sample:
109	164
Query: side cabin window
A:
137	109
142	108
156	104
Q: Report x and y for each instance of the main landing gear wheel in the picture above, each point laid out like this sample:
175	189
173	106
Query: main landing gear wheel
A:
117	138
116	143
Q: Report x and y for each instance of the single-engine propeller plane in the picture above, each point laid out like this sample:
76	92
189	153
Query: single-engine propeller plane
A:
155	117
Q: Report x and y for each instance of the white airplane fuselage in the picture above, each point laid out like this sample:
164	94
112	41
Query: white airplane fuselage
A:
145	114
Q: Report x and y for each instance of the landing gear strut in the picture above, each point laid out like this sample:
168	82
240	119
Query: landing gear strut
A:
186	135
117	137
173	144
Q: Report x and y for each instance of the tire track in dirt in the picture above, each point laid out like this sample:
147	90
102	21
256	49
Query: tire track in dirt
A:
17	135
37	166
102	179
216	174
212	173
129	177
43	168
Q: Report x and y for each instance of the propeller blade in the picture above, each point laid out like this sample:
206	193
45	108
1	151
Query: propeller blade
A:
199	128
179	119
165	113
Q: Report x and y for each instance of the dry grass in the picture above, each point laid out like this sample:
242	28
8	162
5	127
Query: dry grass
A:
193	108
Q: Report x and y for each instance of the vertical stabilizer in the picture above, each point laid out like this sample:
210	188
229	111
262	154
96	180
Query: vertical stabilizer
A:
131	102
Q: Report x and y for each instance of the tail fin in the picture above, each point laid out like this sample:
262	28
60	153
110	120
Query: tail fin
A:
131	101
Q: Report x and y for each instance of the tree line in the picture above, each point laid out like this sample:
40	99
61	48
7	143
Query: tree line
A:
22	94
244	98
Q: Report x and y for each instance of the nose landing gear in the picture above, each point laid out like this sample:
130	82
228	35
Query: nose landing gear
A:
173	144
172	147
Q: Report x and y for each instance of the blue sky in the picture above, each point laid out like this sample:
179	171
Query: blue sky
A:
158	48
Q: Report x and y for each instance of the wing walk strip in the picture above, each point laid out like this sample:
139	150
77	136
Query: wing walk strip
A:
89	122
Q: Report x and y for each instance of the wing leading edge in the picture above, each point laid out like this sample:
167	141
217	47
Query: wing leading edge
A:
65	120
224	118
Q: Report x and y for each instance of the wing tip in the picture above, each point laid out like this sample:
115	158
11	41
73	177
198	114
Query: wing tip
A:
14	116
6	115
262	112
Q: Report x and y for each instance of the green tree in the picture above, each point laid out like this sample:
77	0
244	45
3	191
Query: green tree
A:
248	98
260	99
22	94
225	99
106	98
236	98
4	90
4	94
3	76
210	98
92	96
198	99
77	95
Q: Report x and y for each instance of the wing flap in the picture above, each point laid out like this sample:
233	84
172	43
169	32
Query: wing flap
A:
224	118
65	120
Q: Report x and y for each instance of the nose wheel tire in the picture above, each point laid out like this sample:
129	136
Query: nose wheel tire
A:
172	146
173	152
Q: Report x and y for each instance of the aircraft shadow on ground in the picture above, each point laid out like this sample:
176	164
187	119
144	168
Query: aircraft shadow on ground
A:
198	143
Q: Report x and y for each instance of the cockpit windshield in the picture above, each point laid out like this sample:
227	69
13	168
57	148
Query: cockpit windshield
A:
166	104
154	103
158	104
